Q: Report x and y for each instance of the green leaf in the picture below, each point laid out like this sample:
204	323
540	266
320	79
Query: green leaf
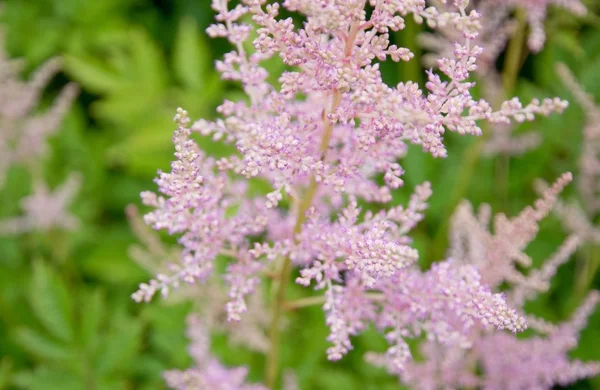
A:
108	260
127	108
93	74
148	67
122	345
190	54
49	379
167	324
567	41
41	346
92	312
51	303
5	372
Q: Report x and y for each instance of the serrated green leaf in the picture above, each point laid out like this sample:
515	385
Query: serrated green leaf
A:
51	303
92	313
127	108
148	67
108	259
122	344
92	74
41	346
167	335
49	379
190	54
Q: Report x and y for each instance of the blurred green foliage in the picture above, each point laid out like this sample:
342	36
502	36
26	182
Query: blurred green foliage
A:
66	318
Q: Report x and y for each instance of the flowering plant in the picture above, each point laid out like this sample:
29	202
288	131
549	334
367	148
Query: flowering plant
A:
327	137
23	141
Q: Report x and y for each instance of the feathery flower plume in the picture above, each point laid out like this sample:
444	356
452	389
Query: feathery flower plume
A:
588	184
208	373
537	362
497	28
211	297
536	11
23	134
45	210
322	136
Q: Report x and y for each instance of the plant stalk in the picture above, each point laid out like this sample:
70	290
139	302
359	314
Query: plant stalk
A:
512	65
320	300
272	364
273	355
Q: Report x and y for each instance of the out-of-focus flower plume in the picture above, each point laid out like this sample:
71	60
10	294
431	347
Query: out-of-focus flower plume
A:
23	137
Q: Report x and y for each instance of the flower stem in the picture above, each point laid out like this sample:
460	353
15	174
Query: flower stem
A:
408	37
320	299
586	271
514	54
512	65
272	365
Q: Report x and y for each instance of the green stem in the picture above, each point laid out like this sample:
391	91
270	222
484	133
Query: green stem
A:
320	300
587	271
514	54
512	65
469	164
272	368
501	182
272	364
304	302
410	70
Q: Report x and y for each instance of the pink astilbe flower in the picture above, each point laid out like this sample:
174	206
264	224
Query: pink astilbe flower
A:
445	303
348	311
45	210
536	11
211	297
322	137
577	217
497	255
506	362
538	362
497	29
588	183
208	373
23	134
150	252
442	367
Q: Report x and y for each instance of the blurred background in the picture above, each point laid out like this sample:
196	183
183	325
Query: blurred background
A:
66	317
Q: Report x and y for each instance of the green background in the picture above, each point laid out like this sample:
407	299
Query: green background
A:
66	317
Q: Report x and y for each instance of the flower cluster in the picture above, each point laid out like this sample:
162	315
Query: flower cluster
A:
327	137
23	136
211	297
537	362
497	28
588	184
536	11
45	210
498	255
208	372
